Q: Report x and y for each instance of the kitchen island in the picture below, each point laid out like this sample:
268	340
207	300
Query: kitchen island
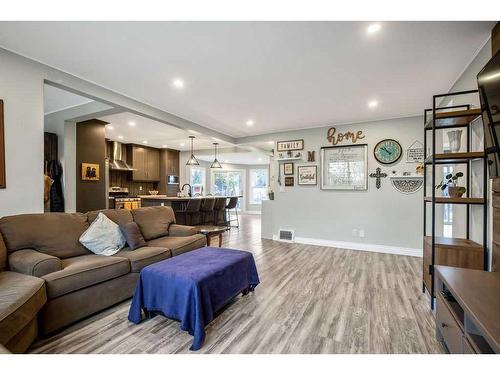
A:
177	203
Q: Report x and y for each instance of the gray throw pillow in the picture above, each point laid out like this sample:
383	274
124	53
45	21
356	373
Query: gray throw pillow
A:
133	235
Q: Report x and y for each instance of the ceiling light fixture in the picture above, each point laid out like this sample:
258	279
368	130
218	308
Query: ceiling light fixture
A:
164	146
372	104
178	83
131	123
250	123
270	142
215	163
182	144
192	160
373	28
226	161
120	137
145	142
109	127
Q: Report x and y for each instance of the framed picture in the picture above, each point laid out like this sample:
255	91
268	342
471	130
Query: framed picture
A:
307	175
288	169
290	145
289	181
3	183
90	172
344	167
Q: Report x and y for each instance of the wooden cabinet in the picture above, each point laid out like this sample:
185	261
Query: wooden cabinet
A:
169	165
146	161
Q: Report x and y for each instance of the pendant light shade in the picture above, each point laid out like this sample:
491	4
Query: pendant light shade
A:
215	163
192	160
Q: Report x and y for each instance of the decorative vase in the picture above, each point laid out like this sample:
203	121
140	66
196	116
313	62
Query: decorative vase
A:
455	137
271	196
454	191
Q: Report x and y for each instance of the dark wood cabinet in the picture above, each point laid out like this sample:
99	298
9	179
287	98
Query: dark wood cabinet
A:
169	165
146	161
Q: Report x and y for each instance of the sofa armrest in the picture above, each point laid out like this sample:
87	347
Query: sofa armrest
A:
34	263
176	230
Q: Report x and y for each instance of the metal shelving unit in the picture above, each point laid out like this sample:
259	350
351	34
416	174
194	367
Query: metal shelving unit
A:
440	118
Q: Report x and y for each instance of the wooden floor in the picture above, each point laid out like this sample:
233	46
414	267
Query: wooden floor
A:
311	299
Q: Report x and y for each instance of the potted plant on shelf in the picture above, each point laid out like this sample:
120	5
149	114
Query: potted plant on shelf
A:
450	182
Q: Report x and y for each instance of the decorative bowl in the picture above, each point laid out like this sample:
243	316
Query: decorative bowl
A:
153	192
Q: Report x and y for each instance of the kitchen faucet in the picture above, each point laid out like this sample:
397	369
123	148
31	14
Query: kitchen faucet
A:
189	192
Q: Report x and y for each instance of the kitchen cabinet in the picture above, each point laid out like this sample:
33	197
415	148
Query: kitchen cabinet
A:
146	161
169	165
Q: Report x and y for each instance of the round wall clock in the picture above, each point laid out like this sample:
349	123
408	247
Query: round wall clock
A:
387	151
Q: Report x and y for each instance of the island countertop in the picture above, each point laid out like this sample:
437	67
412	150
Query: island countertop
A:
180	199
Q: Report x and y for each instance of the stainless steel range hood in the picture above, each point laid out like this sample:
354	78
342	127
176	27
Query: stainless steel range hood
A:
117	162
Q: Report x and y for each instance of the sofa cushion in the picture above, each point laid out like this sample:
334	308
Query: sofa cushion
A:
133	235
154	221
144	256
83	271
21	297
33	263
103	237
119	216
179	245
56	234
3	254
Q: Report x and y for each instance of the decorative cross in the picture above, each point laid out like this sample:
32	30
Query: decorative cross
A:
378	175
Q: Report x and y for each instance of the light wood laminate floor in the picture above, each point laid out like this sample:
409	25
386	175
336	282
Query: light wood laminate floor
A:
311	299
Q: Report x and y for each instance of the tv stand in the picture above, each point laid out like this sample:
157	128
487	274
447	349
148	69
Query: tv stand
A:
468	310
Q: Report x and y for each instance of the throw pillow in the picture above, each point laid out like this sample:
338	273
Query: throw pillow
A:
133	235
103	237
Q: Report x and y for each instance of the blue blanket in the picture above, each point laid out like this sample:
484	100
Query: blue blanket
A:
192	286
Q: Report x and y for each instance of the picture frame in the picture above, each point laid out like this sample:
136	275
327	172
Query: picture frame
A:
289	181
3	178
288	169
344	167
90	172
307	175
294	145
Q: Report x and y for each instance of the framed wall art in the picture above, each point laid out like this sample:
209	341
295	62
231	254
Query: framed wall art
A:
297	144
90	172
344	167
3	183
289	181
307	175
288	169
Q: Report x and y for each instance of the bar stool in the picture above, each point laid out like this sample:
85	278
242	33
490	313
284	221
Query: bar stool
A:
207	208
233	204
192	207
220	206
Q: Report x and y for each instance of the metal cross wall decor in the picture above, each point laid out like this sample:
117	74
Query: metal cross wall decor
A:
378	175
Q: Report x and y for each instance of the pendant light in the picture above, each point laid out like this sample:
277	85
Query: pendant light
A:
192	160
215	163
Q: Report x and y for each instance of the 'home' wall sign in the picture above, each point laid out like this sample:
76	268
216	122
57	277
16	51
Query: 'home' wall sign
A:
335	138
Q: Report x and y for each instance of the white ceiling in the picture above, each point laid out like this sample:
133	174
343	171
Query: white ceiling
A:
56	99
283	75
252	158
156	134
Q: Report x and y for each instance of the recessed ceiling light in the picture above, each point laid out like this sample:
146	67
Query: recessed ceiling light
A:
182	144
250	123
270	142
372	104
120	137
131	123
145	142
164	146
260	159
178	83
226	161
109	127
373	28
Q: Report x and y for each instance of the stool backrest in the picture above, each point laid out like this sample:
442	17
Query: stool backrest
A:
233	202
220	204
193	205
208	204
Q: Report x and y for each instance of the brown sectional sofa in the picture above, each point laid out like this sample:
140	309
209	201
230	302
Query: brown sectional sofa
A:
48	280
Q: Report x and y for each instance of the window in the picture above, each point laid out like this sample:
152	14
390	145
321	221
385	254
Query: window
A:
258	185
227	182
197	180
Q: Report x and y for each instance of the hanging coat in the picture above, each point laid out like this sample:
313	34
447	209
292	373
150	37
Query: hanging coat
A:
55	171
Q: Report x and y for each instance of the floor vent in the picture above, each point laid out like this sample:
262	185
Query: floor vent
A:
287	235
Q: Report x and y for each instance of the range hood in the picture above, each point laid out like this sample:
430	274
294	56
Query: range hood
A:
117	162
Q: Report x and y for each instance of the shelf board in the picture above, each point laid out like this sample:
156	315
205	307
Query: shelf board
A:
454	119
455	243
450	200
455	157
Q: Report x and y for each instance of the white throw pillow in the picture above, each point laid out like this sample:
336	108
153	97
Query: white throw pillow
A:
103	237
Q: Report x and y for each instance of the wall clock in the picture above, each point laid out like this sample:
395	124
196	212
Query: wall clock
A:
388	151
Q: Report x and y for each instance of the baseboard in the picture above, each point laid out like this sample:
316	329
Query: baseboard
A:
359	246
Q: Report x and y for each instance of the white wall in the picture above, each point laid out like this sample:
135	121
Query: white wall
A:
21	88
388	217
